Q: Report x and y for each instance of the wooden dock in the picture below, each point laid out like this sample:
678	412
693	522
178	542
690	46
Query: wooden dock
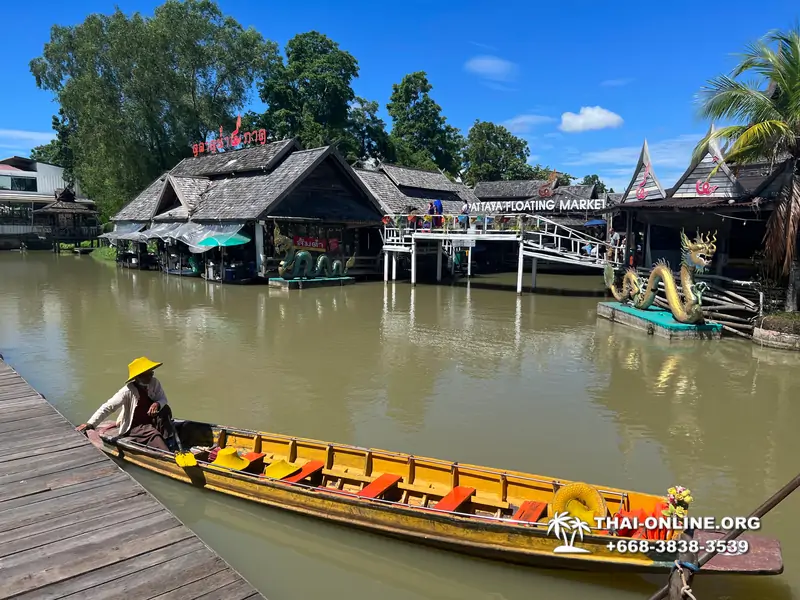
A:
72	523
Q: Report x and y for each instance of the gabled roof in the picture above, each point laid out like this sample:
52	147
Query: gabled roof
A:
144	206
723	184
613	198
644	185
188	190
417	178
259	158
521	188
249	197
391	199
772	185
583	192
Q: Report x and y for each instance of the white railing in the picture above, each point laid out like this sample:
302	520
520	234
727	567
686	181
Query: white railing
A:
541	236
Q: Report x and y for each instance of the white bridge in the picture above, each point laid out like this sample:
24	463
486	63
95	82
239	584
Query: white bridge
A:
538	237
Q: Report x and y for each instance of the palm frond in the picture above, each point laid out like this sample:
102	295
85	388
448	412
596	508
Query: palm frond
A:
780	236
725	98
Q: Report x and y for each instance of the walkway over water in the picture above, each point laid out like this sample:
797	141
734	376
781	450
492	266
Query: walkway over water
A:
74	524
538	237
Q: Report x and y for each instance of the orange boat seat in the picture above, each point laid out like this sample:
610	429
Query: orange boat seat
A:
312	467
530	510
453	501
379	486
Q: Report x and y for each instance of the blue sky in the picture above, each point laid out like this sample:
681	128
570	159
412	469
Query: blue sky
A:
584	82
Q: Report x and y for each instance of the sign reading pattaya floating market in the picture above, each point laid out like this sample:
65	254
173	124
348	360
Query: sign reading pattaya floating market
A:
233	141
315	244
537	207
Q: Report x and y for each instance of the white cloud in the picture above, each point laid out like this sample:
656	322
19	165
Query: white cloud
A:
533	158
616	82
492	68
672	153
33	137
15	142
590	118
615	166
524	123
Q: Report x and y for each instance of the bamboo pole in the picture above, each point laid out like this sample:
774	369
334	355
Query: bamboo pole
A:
733	318
758	513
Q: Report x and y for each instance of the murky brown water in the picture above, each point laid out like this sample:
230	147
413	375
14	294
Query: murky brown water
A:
533	383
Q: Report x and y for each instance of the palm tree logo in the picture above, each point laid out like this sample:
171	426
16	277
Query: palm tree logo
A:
562	523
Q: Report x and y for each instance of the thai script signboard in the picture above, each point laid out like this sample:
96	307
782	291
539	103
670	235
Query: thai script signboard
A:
315	244
232	141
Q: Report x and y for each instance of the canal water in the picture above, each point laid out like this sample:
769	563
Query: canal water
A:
534	383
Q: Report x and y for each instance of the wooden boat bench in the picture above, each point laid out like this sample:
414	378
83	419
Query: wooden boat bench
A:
310	469
455	499
381	485
530	510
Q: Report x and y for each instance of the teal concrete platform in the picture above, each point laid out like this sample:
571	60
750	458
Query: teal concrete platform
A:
657	321
302	284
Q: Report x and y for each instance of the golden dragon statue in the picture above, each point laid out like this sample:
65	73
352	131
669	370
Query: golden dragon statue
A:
696	259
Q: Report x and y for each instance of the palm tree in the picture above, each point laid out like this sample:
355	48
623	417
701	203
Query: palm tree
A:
769	108
578	528
560	523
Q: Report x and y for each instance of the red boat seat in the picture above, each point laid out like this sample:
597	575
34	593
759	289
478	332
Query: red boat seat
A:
530	510
453	501
307	470
379	486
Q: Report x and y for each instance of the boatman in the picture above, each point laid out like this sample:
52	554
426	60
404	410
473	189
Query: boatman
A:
144	414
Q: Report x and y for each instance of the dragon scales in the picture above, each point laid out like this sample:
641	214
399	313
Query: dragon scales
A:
300	265
696	259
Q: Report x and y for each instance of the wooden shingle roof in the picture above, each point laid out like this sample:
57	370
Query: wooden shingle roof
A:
644	184
259	158
417	178
722	184
391	199
143	207
521	188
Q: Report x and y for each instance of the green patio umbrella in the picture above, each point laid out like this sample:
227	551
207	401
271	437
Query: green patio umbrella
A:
224	240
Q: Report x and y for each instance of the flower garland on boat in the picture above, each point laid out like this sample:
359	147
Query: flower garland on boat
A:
679	499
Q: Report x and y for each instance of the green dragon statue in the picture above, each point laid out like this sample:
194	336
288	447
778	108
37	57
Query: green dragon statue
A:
696	258
300	265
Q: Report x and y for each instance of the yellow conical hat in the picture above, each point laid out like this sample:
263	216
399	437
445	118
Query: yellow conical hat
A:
229	457
139	366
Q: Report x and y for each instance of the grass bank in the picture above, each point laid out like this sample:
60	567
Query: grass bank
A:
782	322
104	253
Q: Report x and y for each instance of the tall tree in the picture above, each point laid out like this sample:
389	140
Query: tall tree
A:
543	173
59	151
594	180
308	96
493	153
768	106
365	134
140	90
420	133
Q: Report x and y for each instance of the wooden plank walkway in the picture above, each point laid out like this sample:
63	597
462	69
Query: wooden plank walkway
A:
75	525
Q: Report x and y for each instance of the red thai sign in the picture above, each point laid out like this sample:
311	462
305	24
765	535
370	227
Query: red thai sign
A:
230	142
641	193
703	188
314	244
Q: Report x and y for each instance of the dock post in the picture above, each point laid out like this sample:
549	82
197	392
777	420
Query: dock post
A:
385	266
414	262
534	267
394	266
519	268
259	230
469	262
439	260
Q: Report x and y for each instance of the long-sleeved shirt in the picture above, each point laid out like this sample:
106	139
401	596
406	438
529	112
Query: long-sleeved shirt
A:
125	401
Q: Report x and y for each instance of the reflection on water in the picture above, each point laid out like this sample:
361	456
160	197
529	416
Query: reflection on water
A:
532	382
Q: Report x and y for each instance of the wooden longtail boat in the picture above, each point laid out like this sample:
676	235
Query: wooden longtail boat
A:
481	511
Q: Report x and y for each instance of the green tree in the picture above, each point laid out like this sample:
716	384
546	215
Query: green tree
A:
420	134
140	90
594	180
365	134
59	151
493	153
308	95
768	106
543	173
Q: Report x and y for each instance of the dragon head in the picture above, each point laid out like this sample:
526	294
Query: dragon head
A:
697	254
